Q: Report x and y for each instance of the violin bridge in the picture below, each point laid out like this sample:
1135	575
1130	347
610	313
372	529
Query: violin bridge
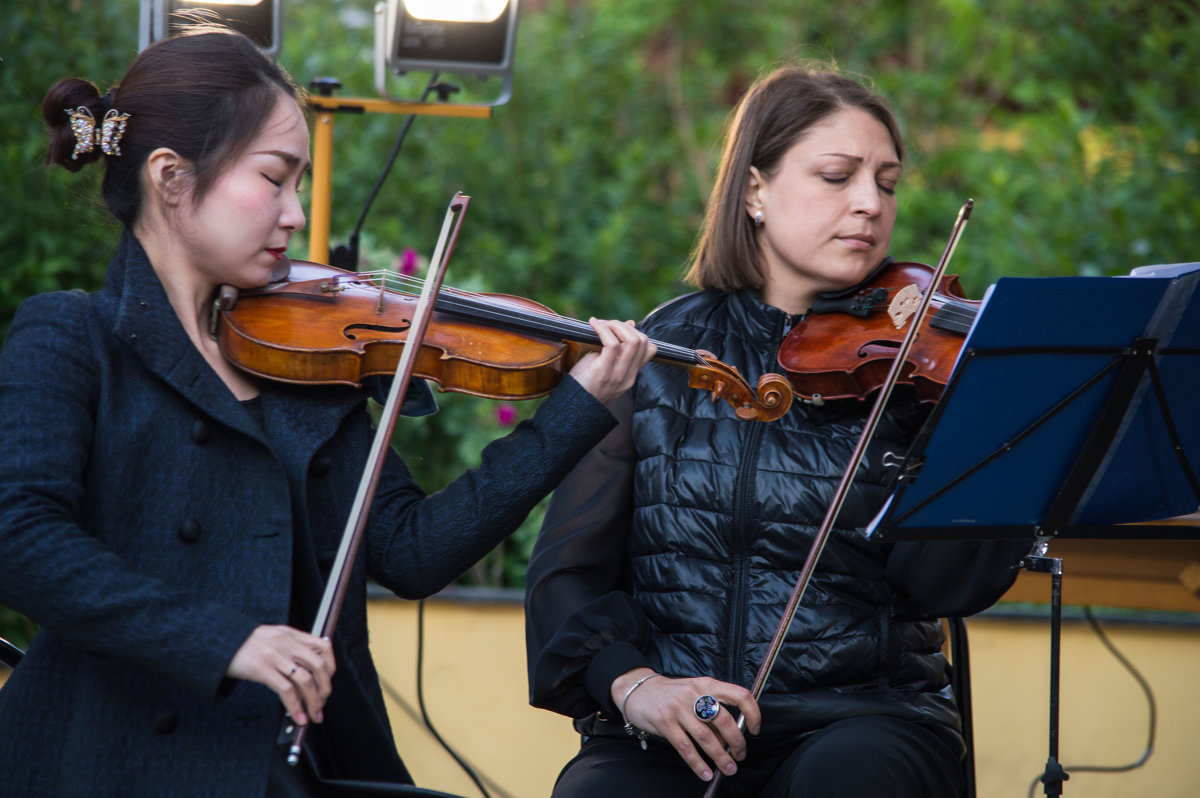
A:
905	303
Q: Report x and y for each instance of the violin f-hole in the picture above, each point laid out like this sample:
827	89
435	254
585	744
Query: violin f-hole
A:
869	348
349	329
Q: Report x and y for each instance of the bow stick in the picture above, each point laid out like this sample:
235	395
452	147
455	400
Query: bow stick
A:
335	589
839	497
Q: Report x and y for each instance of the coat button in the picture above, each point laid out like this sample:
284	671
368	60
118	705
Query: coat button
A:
201	432
165	722
320	466
189	531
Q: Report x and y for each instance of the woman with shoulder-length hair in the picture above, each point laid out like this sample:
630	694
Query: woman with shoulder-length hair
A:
668	554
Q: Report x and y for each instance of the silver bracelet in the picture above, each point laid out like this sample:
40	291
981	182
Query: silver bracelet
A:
630	729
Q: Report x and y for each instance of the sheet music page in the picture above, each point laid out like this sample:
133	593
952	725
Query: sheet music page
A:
1164	270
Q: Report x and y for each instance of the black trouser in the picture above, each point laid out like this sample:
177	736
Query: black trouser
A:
880	757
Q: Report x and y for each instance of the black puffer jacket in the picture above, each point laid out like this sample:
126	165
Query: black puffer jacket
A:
725	513
677	542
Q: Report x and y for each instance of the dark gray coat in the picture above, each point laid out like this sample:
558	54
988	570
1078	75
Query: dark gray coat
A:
146	524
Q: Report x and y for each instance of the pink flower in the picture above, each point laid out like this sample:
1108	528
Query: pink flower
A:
408	261
506	415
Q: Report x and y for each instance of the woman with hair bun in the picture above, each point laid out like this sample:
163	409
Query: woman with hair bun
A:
667	556
168	520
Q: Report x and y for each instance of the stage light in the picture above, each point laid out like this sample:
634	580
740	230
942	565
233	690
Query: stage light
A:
257	19
460	37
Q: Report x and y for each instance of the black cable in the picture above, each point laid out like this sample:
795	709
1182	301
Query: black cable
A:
1153	713
421	701
415	716
346	257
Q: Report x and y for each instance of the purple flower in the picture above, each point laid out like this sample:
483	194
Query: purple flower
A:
506	415
408	261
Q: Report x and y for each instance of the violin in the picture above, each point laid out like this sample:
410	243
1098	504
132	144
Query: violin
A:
323	325
845	346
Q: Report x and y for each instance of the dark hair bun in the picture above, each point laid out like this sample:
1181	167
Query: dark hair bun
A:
64	97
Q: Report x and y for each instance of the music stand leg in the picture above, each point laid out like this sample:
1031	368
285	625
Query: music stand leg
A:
1054	775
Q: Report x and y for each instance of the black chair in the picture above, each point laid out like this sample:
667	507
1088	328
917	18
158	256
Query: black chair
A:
10	655
960	682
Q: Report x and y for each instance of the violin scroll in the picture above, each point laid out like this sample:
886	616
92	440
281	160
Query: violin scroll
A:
770	400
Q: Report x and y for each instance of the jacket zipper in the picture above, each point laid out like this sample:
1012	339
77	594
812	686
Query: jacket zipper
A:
743	495
743	515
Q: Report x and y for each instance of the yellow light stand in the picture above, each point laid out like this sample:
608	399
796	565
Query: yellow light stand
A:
325	107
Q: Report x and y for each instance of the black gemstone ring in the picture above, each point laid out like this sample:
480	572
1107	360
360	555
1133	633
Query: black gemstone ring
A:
707	708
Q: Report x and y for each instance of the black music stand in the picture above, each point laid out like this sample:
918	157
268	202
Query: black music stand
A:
1071	413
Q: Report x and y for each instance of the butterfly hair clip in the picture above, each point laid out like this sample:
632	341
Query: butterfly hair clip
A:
87	137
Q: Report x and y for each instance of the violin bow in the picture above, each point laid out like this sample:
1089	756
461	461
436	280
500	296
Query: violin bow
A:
839	497
335	588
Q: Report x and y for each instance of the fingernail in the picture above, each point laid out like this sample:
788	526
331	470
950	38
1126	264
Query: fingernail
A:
707	775
730	769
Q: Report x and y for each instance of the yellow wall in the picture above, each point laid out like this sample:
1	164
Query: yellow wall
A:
475	693
1103	713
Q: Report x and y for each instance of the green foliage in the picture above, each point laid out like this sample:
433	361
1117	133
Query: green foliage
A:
53	230
1072	125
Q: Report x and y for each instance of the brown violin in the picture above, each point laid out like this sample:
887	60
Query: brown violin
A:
846	344
327	326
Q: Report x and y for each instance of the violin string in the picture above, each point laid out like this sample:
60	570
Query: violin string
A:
470	300
953	314
946	299
955	323
950	310
496	309
957	316
960	308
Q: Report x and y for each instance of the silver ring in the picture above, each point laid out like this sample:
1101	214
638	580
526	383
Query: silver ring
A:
707	708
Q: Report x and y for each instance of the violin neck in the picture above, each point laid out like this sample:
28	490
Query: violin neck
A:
552	327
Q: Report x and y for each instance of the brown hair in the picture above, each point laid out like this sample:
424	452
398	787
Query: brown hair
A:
204	94
772	116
